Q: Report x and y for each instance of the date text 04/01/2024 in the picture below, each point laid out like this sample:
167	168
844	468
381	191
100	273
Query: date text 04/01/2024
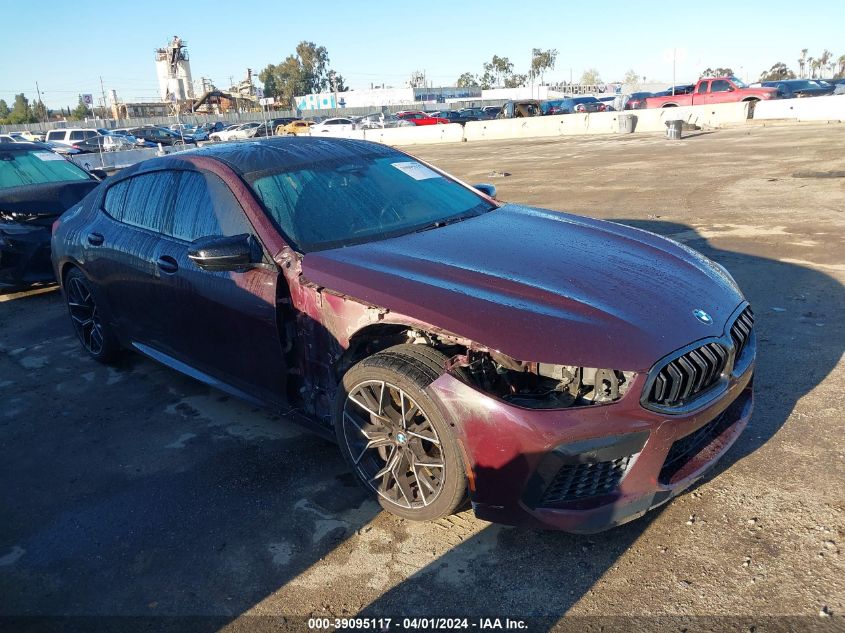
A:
426	623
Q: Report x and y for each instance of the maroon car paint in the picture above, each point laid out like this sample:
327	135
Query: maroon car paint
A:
536	285
540	286
504	444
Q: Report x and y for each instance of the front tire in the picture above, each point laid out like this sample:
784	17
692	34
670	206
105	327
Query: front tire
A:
392	435
88	322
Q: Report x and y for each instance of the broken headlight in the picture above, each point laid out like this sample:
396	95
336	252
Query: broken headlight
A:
543	385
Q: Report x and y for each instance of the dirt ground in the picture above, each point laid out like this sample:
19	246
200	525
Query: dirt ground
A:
137	491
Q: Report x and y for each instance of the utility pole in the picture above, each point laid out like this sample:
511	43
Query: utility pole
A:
103	91
674	60
42	104
333	81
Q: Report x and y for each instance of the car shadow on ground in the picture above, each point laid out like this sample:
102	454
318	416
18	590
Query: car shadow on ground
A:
794	355
148	494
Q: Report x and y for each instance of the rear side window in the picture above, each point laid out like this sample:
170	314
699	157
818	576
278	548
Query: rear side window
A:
56	135
145	201
77	135
206	207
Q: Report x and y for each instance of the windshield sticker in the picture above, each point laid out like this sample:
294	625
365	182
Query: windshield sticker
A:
47	156
416	171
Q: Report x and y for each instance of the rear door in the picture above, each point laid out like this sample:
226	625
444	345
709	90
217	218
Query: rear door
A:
223	324
121	248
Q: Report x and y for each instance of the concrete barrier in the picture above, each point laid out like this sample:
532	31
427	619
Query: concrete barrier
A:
652	120
830	108
418	135
114	160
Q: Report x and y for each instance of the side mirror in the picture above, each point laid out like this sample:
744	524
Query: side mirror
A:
98	173
238	252
489	190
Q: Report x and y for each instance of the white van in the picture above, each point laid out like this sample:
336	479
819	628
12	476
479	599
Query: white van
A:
69	136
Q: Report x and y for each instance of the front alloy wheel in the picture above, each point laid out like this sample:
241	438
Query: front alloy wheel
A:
395	448
394	437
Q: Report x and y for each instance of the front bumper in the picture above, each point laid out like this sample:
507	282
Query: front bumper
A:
24	254
515	457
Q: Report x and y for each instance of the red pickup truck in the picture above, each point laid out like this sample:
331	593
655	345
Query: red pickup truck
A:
713	90
420	118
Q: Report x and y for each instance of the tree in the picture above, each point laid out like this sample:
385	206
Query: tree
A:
719	72
840	73
824	62
21	111
81	111
314	61
516	81
340	83
467	80
40	112
632	79
777	72
802	62
4	109
590	77
541	61
488	79
305	72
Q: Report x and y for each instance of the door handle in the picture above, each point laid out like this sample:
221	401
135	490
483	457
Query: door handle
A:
167	264
95	239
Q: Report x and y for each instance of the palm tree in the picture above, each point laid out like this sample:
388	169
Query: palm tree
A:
823	61
802	61
841	72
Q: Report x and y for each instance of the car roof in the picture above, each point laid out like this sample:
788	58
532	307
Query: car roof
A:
269	154
21	146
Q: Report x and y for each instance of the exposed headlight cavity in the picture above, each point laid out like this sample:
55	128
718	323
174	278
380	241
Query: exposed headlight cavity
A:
542	385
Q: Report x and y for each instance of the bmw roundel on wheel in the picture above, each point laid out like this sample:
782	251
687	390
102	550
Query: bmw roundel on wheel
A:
553	370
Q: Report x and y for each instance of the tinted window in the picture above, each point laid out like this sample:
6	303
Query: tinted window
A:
720	85
206	207
36	167
702	87
145	201
56	135
362	197
77	135
90	134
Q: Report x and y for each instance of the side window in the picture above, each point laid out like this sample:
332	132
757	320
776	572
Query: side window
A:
77	135
206	207
115	199
90	133
720	85
148	201
702	87
56	135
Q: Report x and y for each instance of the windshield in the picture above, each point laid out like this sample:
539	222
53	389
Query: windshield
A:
18	169
361	198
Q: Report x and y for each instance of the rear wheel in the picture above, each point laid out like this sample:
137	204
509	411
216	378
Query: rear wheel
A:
94	334
393	436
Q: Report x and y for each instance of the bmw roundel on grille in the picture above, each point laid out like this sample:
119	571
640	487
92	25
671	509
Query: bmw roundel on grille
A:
702	316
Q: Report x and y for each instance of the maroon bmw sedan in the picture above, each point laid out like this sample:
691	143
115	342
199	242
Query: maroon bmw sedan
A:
554	370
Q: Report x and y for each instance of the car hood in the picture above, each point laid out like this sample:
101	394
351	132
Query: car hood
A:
541	286
45	200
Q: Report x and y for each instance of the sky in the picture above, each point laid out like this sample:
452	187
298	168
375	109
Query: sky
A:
67	46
